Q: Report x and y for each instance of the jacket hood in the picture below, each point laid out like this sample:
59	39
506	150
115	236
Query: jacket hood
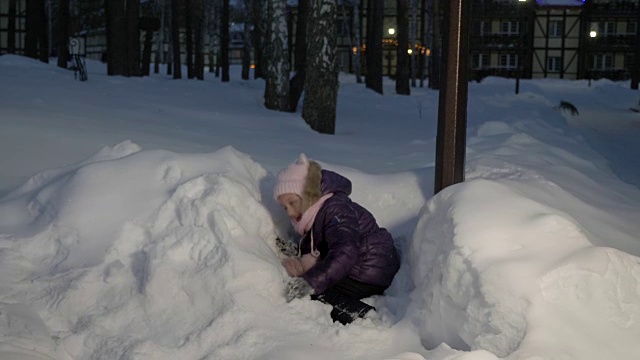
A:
321	182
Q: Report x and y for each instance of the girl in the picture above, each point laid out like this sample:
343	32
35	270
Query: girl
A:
343	256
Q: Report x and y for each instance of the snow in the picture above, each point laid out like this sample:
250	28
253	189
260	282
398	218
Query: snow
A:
137	222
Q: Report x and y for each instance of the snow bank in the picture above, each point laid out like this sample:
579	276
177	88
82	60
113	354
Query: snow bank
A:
530	257
140	253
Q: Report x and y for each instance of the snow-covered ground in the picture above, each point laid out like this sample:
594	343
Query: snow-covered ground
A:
137	222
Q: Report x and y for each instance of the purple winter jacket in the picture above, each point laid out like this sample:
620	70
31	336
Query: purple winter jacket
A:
350	242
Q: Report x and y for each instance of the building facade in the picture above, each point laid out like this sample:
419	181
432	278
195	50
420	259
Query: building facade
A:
565	39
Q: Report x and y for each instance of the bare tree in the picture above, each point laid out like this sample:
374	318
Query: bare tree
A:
188	27
375	19
246	44
413	37
11	26
199	21
116	37
175	38
133	37
321	82
35	43
296	85
258	36
276	92
63	32
436	44
402	66
355	42
224	53
160	58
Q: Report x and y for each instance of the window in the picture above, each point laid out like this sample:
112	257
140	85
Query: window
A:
603	62
607	28
556	29
554	64
509	61
510	27
481	61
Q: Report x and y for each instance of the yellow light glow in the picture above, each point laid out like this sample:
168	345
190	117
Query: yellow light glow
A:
354	50
428	52
392	31
593	33
253	66
409	51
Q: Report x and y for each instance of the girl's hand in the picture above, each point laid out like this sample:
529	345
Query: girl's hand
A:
293	266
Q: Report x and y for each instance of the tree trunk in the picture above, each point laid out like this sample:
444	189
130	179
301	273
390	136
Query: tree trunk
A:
169	15
276	92
175	38
258	35
188	27
246	44
11	27
321	83
413	37
160	42
296	85
199	39
146	53
43	37
116	37
374	45
402	66
32	26
133	37
423	40
63	33
357	44
436	44
225	41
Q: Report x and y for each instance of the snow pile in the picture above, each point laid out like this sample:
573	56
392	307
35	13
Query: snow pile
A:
139	253
519	260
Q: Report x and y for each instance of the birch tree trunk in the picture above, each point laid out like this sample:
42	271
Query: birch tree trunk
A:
296	85
246	44
276	93
321	83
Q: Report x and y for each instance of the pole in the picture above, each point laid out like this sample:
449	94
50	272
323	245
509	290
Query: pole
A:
452	110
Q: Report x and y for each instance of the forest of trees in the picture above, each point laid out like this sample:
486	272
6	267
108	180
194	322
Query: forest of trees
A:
191	30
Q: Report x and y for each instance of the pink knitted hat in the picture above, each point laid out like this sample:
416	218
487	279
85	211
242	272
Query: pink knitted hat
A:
292	179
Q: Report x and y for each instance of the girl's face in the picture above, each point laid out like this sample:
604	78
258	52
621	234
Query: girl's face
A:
292	203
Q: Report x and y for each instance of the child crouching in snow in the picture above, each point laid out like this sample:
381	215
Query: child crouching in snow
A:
343	256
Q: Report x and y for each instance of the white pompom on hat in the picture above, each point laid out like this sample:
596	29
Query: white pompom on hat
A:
292	179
